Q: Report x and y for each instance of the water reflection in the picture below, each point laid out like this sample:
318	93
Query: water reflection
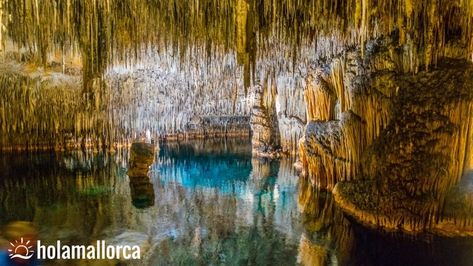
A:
206	203
332	238
237	209
141	189
142	192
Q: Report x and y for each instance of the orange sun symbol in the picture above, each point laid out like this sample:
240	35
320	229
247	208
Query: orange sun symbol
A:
21	250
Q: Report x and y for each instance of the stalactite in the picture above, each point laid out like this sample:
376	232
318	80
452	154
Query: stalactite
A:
265	139
275	38
118	31
343	94
332	150
319	98
2	25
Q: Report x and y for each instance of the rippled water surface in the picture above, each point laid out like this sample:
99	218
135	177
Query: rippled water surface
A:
205	203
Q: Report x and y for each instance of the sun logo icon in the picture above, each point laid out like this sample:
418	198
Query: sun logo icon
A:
21	250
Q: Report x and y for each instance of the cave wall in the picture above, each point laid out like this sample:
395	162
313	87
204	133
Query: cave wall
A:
170	98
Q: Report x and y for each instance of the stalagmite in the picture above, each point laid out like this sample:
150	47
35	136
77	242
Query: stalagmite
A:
141	158
264	124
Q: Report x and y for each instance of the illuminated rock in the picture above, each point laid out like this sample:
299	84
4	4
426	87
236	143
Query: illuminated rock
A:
310	254
141	158
409	171
331	151
347	108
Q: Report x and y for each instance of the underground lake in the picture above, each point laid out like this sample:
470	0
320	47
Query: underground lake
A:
204	203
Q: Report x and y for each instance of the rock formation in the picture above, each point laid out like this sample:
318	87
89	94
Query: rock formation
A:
346	111
141	158
409	170
265	137
392	145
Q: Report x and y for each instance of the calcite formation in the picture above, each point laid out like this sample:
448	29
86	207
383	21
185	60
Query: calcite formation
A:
393	145
265	137
141	158
346	110
331	150
41	110
411	168
218	126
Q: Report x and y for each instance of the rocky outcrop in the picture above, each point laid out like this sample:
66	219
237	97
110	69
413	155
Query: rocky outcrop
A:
410	169
391	145
141	158
265	138
347	107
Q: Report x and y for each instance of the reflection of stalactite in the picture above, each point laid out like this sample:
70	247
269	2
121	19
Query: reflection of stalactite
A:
327	224
310	254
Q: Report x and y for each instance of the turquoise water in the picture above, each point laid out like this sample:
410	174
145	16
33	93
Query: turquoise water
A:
204	203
